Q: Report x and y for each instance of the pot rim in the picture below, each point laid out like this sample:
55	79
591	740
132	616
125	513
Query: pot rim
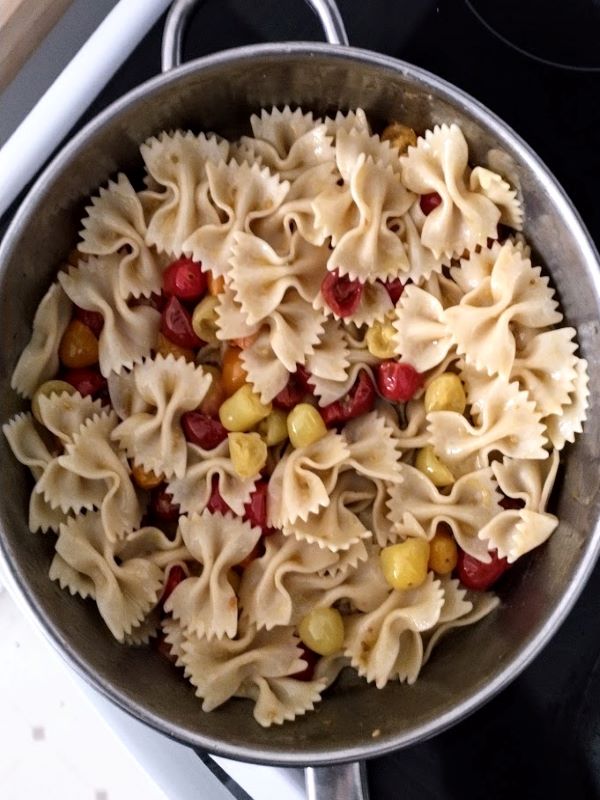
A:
371	747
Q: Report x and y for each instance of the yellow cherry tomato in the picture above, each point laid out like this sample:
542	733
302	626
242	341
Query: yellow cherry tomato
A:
248	453
404	565
273	428
78	346
243	410
204	319
322	630
379	339
443	551
445	393
305	425
429	464
401	136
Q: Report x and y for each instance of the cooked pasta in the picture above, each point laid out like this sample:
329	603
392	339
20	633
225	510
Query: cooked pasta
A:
357	324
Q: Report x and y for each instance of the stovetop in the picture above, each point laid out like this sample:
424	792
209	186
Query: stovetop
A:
536	63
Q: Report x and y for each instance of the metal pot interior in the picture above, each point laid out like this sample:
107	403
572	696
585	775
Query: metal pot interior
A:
219	93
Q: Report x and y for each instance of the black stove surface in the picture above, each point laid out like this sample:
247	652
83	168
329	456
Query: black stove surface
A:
540	738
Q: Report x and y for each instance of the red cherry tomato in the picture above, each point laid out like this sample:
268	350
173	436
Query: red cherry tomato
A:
176	575
93	319
429	201
176	325
291	394
311	659
162	505
394	287
202	430
359	400
184	279
303	376
256	507
341	294
397	381
86	380
478	575
216	504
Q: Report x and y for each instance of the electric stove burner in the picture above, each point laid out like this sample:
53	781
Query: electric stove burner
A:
561	34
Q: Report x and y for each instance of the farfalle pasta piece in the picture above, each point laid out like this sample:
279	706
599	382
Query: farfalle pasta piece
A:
27	445
329	358
373	447
386	643
203	467
358	357
351	120
263	369
124	592
154	545
64	414
115	221
278	700
39	360
154	439
42	517
465	218
219	667
476	267
482	323
242	193
422	262
351	144
493	186
562	427
304	479
457	612
129	333
177	163
507	423
93	457
369	249
68	578
260	277
545	368
417	507
123	394
515	532
232	323
335	526
265	597
174	638
423	337
207	605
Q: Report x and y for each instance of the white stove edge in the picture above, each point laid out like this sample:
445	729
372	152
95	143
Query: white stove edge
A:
175	768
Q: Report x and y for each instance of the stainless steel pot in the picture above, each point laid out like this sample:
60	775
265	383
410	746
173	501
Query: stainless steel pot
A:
219	93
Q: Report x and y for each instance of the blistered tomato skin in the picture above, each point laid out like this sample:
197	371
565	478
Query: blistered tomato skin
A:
176	325
184	279
397	381
359	400
394	287
93	319
162	505
429	201
86	381
478	575
341	293
202	430
176	575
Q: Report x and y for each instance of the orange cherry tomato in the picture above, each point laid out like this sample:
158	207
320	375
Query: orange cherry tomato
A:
215	395
216	283
144	479
78	346
233	374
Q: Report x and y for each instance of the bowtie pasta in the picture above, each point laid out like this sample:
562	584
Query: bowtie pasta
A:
297	403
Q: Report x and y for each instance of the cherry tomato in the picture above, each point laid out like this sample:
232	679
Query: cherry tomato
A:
429	201
176	575
291	394
341	294
176	325
394	287
478	575
184	279
216	504
93	319
359	400
303	376
256	507
397	381
311	659
233	374
87	381
78	347
162	505
202	430
213	399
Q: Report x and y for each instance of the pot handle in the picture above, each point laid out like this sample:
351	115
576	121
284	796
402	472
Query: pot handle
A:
337	782
181	10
